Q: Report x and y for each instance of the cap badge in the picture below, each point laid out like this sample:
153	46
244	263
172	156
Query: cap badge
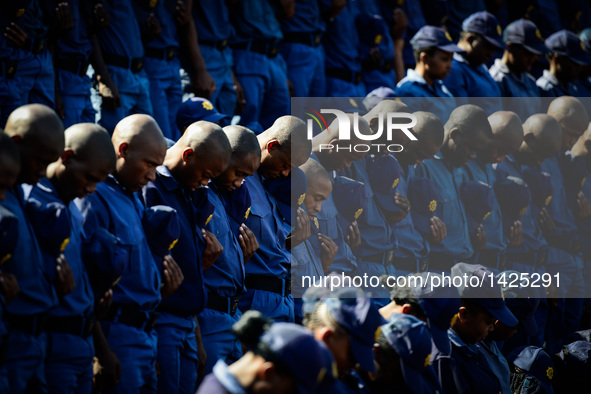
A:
433	206
358	213
207	105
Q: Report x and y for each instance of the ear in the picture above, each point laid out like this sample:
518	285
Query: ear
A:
188	154
407	309
376	349
272	145
470	38
455	134
588	146
334	142
266	371
324	334
123	149
463	314
67	156
423	57
374	123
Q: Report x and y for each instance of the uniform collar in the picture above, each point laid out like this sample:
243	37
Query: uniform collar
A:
167	179
502	67
45	185
226	379
550	77
457	341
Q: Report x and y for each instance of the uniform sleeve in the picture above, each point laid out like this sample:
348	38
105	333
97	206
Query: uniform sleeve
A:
455	82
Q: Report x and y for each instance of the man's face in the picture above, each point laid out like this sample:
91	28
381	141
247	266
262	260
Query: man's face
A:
439	64
275	163
480	51
35	157
233	176
465	145
201	169
522	58
566	69
417	151
81	177
477	326
339	158
139	165
9	170
318	191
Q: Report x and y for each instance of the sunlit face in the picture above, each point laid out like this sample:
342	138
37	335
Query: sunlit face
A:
476	326
318	191
137	165
199	171
233	176
81	177
438	65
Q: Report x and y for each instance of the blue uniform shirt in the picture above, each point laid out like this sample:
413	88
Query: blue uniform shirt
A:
550	87
189	298
448	179
37	294
164	12
272	259
493	225
413	85
341	41
255	20
585	224
512	85
307	18
226	276
376	234
75	41
81	301
122	36
212	20
120	212
465	80
546	16
410	242
533	240
558	207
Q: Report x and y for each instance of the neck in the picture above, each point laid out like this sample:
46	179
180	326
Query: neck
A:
505	59
579	149
245	369
389	310
420	70
54	174
174	165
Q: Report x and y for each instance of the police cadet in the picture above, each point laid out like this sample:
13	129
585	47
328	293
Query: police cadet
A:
38	133
281	358
564	252
214	79
71	59
566	56
469	76
342	61
224	281
306	261
203	152
301	47
512	72
466	131
412	250
507	137
257	63
87	160
283	146
432	48
10	165
115	208
123	84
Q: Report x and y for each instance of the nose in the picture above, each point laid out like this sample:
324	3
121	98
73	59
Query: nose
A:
90	188
152	175
204	182
285	172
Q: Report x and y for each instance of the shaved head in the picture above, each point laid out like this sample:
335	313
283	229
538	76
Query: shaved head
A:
91	143
466	131
429	132
314	172
319	186
373	119
140	148
206	139
507	136
542	137
573	118
243	142
39	134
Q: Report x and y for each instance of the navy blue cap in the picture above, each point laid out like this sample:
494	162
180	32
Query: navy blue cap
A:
577	358
205	208
411	340
478	200
440	304
51	224
487	292
519	299
372	29
431	36
582	335
312	297
162	228
237	203
424	198
349	197
585	37
540	186
361	318
196	109
514	197
536	363
567	43
289	192
524	32
487	25
384	176
297	349
8	234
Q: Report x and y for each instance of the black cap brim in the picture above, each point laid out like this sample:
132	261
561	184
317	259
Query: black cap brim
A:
496	43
